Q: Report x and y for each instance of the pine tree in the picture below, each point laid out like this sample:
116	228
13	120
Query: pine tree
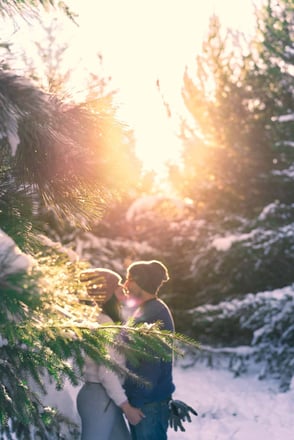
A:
272	80
240	88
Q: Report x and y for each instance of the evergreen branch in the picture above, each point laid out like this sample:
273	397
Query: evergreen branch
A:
20	7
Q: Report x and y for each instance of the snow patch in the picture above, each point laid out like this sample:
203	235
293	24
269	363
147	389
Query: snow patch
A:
269	209
12	260
224	243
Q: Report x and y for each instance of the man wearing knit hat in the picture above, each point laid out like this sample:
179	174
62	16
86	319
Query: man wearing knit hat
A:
144	279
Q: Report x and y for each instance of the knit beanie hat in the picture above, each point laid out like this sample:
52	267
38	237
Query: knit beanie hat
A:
104	279
149	275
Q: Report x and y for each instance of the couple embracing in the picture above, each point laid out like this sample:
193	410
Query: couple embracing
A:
105	398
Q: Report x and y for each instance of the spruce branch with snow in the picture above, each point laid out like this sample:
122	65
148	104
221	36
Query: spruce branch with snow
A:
256	328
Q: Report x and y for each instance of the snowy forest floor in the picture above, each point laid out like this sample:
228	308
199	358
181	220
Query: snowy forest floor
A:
232	408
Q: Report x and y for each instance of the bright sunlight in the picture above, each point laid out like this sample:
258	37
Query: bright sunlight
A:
146	47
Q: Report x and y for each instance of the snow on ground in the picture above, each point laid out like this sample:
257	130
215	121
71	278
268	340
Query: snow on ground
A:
232	408
229	408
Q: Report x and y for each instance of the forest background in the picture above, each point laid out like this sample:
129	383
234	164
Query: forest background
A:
74	193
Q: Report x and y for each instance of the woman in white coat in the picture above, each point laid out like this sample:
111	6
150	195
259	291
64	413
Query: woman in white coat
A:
101	402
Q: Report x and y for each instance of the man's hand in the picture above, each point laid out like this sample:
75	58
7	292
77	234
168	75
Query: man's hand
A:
134	415
179	413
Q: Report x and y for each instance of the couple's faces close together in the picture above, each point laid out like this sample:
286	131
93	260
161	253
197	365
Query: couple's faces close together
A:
132	289
132	294
129	290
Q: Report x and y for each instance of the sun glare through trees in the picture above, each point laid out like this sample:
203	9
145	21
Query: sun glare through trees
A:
145	50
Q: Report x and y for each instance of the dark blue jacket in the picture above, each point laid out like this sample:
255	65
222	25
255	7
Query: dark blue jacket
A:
156	372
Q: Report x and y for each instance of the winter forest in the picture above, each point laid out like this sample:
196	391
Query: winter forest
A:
74	194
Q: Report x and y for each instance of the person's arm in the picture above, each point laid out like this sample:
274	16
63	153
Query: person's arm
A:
115	391
113	386
134	415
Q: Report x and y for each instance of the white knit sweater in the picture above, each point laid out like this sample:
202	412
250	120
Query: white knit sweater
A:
110	380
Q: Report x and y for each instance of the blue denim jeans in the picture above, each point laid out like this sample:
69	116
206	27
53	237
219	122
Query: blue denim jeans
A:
155	424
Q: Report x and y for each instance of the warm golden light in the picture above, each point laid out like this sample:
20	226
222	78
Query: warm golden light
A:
145	48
